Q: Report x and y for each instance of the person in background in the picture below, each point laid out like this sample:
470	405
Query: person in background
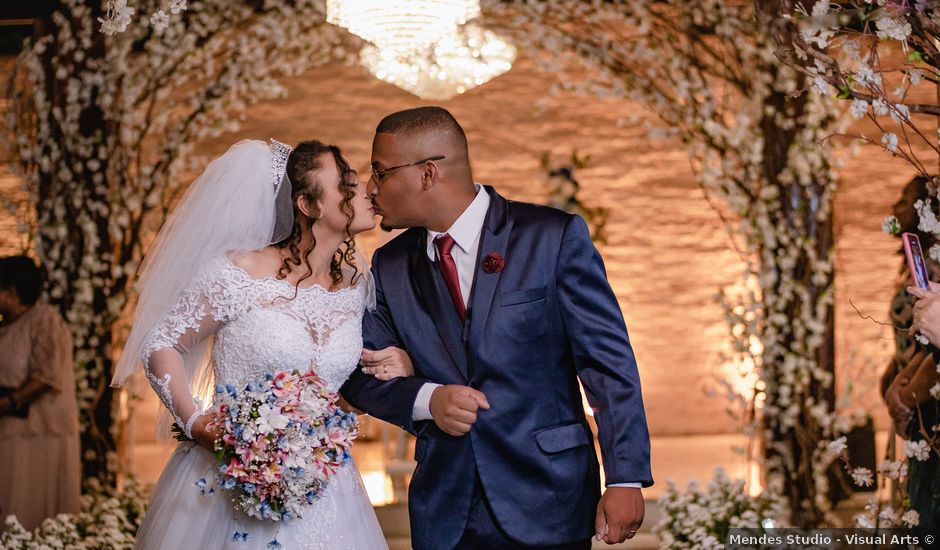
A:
909	354
39	438
912	371
923	408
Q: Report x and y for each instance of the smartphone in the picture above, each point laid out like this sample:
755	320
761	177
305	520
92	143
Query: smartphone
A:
915	260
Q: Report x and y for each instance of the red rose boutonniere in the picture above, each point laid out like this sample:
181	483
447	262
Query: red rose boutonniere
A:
493	263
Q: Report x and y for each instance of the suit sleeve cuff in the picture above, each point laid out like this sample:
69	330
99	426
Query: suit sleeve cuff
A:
422	406
630	485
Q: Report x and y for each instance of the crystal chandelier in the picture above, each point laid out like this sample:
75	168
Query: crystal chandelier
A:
424	46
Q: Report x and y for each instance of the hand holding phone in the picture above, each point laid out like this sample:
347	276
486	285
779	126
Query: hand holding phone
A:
915	261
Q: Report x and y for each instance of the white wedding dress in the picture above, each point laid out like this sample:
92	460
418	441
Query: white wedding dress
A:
257	328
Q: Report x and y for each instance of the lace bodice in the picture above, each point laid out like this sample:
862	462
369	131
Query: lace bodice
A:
258	328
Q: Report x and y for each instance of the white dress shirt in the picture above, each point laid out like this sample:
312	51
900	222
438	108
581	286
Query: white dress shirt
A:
465	231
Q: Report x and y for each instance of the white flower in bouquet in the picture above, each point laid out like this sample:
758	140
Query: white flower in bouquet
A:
313	403
270	419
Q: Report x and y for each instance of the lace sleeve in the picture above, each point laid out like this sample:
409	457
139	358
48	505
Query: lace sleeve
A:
201	309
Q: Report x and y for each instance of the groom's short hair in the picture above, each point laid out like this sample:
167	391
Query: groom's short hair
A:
423	120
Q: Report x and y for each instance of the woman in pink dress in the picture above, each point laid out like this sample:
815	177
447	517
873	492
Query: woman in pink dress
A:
39	447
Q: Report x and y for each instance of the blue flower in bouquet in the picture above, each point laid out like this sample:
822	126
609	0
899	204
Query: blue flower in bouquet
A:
201	484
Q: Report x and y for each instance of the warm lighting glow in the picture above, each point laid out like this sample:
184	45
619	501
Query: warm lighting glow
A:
378	487
742	374
755	481
424	46
584	402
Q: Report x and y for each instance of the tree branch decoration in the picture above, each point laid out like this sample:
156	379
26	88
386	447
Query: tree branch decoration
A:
879	61
103	127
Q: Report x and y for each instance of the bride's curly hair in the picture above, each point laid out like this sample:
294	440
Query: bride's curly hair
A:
305	159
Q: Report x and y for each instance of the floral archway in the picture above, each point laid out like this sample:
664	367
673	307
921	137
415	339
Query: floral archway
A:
106	122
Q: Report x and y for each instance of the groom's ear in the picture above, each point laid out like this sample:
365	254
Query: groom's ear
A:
429	176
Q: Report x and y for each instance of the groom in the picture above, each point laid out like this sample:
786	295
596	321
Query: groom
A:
502	307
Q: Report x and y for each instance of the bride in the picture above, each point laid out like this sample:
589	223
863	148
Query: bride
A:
254	272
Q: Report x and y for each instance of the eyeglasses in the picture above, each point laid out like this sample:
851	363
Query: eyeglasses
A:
378	174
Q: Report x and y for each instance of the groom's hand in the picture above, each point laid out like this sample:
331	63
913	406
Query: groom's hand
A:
619	514
454	408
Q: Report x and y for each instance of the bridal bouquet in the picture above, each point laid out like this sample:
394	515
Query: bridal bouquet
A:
281	441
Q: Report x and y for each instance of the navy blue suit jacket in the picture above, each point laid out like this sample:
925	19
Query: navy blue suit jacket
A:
546	319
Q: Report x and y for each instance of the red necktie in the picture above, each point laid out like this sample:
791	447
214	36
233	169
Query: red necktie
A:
445	243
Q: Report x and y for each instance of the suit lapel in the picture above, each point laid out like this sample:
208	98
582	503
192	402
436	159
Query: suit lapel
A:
433	292
494	239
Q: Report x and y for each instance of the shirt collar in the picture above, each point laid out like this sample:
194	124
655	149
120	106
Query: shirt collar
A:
467	227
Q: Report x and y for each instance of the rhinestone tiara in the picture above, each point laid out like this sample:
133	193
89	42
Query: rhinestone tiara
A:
280	152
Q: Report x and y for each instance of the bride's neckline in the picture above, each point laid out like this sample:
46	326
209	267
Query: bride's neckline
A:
313	286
